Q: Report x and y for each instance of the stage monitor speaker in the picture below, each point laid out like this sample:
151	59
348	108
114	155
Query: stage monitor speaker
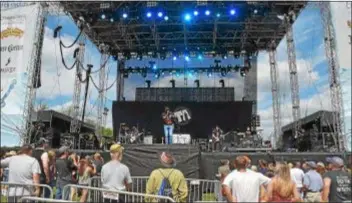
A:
148	139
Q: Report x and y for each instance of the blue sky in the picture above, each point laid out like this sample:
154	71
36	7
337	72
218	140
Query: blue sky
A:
57	83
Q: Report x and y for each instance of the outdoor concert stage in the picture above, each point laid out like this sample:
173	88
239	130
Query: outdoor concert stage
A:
197	118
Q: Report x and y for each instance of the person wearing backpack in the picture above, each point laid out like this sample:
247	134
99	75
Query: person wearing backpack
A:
167	181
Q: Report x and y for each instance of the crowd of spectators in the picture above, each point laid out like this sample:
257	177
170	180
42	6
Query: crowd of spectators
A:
241	180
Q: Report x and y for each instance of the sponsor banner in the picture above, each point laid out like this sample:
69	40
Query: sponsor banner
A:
17	42
341	19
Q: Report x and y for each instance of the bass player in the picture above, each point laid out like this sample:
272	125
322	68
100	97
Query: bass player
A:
216	138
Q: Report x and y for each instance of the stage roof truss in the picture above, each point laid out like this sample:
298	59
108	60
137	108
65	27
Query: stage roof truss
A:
139	34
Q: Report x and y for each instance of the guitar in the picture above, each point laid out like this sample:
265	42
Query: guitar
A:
135	137
220	137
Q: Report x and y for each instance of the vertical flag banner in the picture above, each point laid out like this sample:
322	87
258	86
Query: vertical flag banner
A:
17	42
341	19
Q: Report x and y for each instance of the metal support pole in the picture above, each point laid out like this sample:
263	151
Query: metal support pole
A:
86	90
120	80
334	77
35	61
75	126
291	52
275	94
101	98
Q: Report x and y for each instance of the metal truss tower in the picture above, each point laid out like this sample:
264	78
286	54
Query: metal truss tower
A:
101	96
75	126
291	52
275	93
32	78
120	80
334	75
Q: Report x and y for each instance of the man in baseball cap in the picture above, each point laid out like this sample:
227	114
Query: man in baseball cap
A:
115	175
337	182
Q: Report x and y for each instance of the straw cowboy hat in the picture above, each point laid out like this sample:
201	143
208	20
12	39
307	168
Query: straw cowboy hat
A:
167	160
11	153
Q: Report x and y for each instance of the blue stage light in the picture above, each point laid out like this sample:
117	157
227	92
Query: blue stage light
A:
103	16
232	12
166	18
160	14
124	15
156	75
209	74
195	13
174	58
154	67
200	57
177	74
188	17
207	12
187	58
218	15
255	11
112	20
149	14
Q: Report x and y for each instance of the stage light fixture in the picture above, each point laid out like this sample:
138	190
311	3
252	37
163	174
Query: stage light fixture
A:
148	83
232	11
103	16
112	20
207	12
187	58
174	58
218	15
149	14
157	75
197	83
195	13
255	11
160	14
154	67
222	82
124	15
224	56
166	18
200	57
187	17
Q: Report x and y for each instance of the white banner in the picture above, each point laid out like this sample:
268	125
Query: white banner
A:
341	19
17	42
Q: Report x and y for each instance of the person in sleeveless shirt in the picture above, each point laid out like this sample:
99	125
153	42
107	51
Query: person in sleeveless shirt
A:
282	188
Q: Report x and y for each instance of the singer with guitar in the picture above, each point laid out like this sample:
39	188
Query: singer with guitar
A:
216	138
168	117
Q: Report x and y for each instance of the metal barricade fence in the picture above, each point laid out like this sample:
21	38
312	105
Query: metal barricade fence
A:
39	199
13	192
114	195
198	189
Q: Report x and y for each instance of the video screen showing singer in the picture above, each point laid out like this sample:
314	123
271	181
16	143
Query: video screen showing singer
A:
168	116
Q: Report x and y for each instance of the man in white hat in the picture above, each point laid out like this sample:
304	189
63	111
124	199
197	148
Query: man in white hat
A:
167	181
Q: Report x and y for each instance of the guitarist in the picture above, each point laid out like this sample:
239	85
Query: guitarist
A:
216	138
134	135
168	117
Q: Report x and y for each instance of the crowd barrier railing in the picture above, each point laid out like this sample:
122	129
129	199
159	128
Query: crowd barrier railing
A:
199	189
13	192
98	194
40	199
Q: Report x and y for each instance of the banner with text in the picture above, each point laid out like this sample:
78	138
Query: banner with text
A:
341	19
17	42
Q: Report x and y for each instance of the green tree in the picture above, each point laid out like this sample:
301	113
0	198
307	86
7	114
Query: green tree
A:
107	132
